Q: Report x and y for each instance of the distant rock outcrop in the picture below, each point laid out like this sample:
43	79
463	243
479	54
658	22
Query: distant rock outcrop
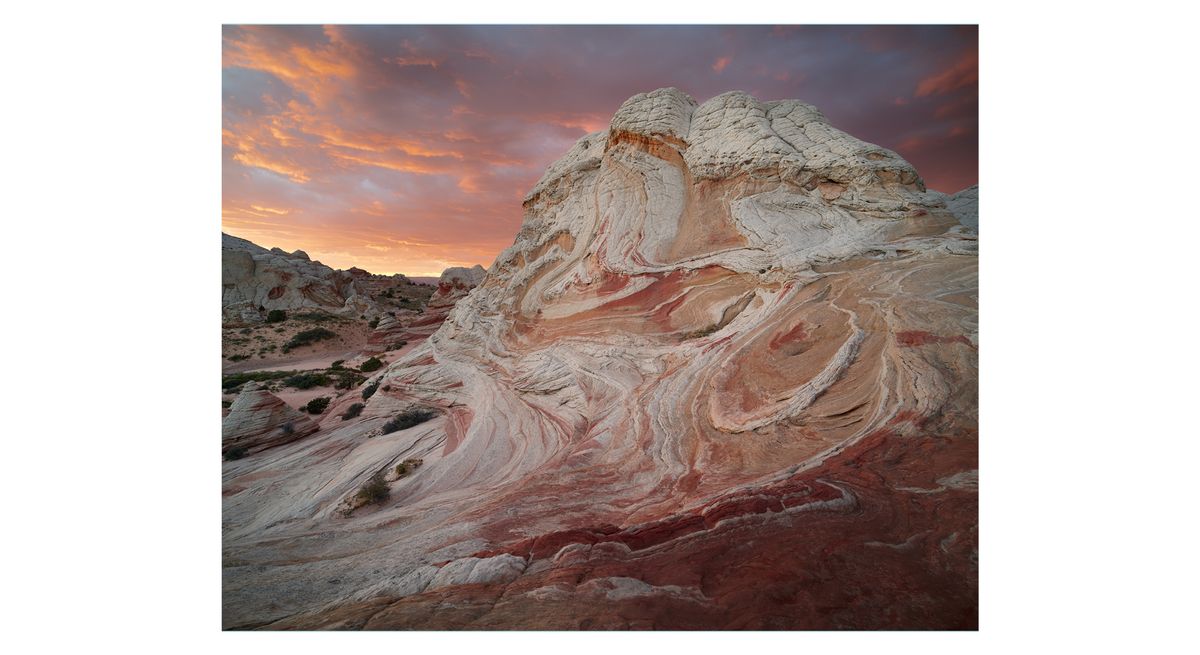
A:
724	378
258	420
965	206
413	326
255	280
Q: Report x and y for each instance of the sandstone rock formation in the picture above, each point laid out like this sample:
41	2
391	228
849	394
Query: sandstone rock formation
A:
253	277
414	326
258	421
965	205
724	378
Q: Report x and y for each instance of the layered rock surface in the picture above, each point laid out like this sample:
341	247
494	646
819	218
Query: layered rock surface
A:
724	378
253	277
258	420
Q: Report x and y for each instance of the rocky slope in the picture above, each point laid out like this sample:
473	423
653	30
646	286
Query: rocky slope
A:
412	326
255	280
724	378
258	420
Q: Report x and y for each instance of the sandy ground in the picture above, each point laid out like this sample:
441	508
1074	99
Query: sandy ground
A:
352	336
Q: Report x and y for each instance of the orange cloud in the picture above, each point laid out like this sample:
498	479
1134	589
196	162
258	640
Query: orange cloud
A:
306	69
249	152
964	72
720	64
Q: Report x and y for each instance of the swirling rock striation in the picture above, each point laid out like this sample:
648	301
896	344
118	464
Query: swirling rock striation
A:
725	377
258	420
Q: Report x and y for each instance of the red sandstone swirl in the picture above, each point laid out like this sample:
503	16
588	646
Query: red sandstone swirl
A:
724	378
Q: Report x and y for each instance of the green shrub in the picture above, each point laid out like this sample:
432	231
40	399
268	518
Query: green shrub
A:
347	379
276	316
374	323
370	390
398	345
238	357
407	419
374	490
307	380
308	337
234	380
337	364
353	411
234	453
373	364
288	429
316	405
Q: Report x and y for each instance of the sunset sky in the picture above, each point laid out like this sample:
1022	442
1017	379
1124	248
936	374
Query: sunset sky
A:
408	149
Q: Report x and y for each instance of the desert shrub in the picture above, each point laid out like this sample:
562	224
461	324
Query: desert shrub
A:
307	380
337	364
353	411
276	316
374	490
288	429
347	379
407	419
373	364
238	357
407	466
398	345
308	337
316	405
234	453
234	380
226	404
245	330
374	323
370	390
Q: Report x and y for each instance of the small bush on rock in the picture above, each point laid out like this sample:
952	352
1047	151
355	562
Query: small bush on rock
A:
370	390
407	466
407	419
276	316
316	405
353	411
373	364
374	490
